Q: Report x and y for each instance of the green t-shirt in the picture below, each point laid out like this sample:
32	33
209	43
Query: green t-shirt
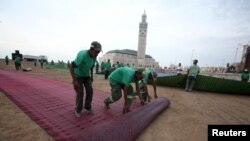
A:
146	73
194	70
102	65
123	75
245	76
18	60
108	66
83	63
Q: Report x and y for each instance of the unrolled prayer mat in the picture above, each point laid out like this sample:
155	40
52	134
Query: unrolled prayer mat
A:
50	103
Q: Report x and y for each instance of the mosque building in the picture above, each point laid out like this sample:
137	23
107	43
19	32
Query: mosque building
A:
136	59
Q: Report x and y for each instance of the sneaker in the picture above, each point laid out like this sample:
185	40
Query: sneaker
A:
89	110
106	104
186	89
77	114
190	90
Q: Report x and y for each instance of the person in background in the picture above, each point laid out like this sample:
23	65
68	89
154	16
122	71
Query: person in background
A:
119	80
245	76
81	71
107	69
179	73
96	66
102	67
68	64
121	65
35	63
41	63
18	62
117	65
179	69
113	68
192	73
7	60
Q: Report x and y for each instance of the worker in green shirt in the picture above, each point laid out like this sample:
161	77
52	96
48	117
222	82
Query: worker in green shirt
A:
245	76
107	69
7	60
119	80
102	67
81	70
192	72
18	62
96	66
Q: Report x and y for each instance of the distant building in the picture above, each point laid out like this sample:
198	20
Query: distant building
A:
127	56
136	59
35	58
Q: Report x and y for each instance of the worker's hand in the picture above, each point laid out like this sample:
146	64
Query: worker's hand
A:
91	79
156	96
149	98
75	84
126	109
143	102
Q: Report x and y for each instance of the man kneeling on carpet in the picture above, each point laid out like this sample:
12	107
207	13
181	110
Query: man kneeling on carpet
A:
81	71
121	79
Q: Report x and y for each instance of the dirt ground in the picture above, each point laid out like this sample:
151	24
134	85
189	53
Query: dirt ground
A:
186	119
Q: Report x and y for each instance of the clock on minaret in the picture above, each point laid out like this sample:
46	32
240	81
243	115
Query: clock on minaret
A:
142	34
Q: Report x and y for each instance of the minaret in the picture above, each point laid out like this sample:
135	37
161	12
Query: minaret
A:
142	41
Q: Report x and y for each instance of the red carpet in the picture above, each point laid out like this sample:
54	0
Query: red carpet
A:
50	103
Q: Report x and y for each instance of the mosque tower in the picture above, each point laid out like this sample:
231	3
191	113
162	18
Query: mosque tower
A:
142	41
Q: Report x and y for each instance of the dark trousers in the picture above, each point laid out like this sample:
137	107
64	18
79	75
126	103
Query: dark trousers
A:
144	96
116	94
86	82
190	82
107	74
18	66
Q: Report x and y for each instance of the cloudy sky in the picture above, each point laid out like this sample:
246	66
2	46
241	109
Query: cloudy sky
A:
178	30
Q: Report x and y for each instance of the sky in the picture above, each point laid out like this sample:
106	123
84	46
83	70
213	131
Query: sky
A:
212	31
